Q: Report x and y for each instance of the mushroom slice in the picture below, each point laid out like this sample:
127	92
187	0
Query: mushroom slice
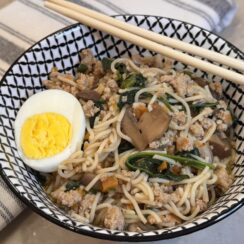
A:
221	147
153	124
130	128
200	81
87	178
88	95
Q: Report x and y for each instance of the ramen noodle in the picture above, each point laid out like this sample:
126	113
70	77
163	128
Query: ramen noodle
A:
157	149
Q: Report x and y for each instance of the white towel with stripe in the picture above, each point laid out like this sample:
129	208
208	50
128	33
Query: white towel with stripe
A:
18	32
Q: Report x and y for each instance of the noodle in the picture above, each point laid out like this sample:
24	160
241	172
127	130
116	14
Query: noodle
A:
118	183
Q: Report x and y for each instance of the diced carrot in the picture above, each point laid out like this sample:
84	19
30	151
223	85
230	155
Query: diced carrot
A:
163	166
176	169
109	183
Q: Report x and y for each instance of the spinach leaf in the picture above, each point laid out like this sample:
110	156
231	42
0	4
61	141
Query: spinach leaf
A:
150	166
194	151
82	68
72	185
198	107
98	104
166	102
106	63
133	80
121	68
124	146
127	98
131	162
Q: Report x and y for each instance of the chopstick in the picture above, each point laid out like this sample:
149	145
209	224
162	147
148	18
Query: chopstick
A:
90	18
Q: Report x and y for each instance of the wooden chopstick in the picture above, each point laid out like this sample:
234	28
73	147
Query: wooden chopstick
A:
140	41
161	39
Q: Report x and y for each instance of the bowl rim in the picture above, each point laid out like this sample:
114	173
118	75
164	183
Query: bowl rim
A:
136	238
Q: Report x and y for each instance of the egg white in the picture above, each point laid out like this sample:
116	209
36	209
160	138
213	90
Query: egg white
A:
56	101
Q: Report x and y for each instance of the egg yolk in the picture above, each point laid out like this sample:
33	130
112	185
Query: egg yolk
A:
45	135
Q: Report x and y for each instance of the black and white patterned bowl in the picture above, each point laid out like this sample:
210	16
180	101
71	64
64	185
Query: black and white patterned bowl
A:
61	49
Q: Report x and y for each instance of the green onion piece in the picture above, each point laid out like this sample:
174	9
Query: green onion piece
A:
82	68
106	63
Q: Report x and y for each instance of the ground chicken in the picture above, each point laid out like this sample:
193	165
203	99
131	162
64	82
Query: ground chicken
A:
180	84
112	84
166	141
225	116
169	220
114	219
86	204
69	198
206	123
166	78
179	117
85	82
221	127
162	197
94	66
224	180
90	109
184	143
192	89
61	82
197	130
107	93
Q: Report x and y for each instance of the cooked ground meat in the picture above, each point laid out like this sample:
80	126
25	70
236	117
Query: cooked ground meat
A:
197	130
86	204
163	197
224	180
114	218
184	143
90	109
180	84
69	198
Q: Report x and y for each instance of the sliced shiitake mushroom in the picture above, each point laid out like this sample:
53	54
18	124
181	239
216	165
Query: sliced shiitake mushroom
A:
88	95
221	147
87	178
130	128
153	124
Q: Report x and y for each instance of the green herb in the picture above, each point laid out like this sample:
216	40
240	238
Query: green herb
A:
99	104
198	107
121	68
131	162
127	98
106	63
194	151
150	166
166	102
124	146
82	68
133	80
72	185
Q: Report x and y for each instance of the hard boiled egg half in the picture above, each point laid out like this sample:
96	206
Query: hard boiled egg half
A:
49	127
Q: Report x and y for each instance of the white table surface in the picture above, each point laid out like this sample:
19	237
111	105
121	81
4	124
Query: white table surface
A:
30	228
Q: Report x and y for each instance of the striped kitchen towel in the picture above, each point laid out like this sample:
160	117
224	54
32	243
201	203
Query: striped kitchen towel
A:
23	22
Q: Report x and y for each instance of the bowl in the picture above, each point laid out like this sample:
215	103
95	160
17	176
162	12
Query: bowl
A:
61	49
